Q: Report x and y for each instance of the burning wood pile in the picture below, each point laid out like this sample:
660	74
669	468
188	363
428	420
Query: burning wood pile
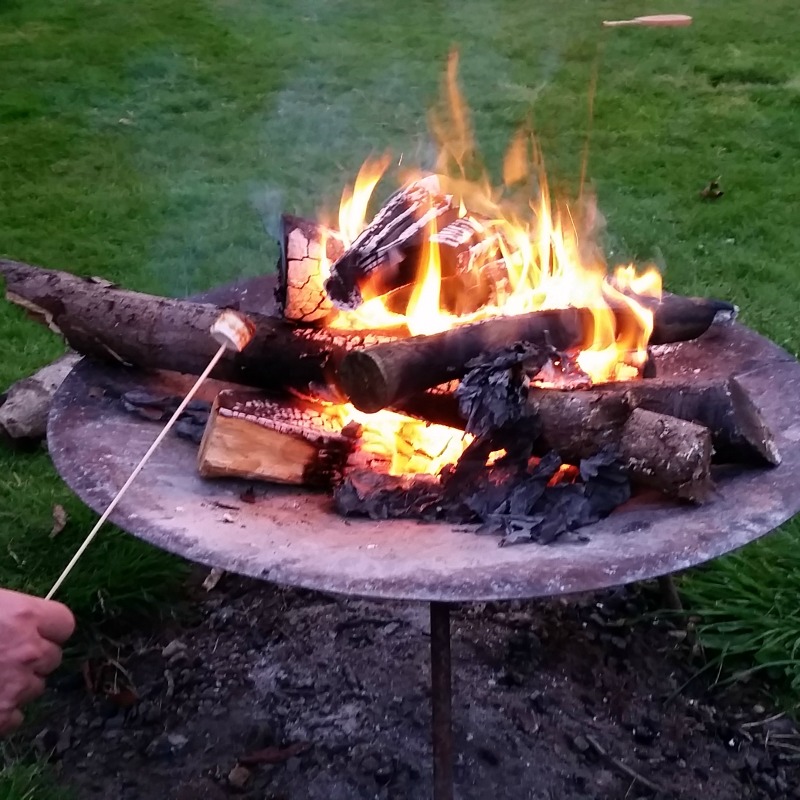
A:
448	359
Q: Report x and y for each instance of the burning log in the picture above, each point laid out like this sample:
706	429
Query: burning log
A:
286	440
300	293
110	324
385	255
381	376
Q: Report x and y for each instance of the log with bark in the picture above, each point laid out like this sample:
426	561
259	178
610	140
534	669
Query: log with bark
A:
381	376
107	323
576	424
25	406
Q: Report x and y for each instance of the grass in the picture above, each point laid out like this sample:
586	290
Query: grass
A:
153	142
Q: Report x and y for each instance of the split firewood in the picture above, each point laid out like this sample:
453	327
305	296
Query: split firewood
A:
111	324
278	439
305	247
26	404
380	376
386	254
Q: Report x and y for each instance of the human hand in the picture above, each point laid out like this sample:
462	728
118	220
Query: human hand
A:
31	632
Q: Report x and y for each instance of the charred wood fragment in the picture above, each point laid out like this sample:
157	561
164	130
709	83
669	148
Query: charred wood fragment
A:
386	254
306	246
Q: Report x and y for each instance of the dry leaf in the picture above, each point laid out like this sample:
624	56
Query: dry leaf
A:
712	191
213	578
60	518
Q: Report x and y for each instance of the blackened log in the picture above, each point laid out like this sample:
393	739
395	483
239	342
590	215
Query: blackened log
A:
668	454
305	246
386	254
112	324
380	376
680	319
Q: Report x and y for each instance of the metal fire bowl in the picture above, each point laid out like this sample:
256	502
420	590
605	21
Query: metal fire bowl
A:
292	536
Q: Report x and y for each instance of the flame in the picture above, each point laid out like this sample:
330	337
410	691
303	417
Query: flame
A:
355	202
536	253
403	444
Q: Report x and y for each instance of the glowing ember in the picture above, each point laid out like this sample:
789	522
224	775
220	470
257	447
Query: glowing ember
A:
534	254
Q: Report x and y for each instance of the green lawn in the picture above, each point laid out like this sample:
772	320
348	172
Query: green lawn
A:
151	143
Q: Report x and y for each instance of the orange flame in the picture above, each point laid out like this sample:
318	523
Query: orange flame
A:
546	258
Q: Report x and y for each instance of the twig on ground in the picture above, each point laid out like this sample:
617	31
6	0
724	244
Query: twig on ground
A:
622	766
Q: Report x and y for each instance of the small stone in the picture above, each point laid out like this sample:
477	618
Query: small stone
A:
159	747
177	741
751	761
580	744
64	741
175	646
239	776
45	741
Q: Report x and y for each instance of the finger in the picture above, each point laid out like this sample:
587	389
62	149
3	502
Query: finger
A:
55	621
32	688
10	721
48	659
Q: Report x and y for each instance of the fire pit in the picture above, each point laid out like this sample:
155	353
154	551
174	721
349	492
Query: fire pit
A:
462	356
291	536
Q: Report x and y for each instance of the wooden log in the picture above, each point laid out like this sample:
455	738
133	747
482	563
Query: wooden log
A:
112	324
26	404
386	254
282	440
305	246
667	454
381	376
577	423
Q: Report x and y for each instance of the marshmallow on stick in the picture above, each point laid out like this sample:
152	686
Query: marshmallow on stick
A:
233	332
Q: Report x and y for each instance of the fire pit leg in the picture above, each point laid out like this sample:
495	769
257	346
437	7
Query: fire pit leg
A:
669	593
441	702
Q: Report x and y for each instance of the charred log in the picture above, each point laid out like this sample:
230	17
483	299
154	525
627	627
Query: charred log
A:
381	376
386	254
112	324
300	292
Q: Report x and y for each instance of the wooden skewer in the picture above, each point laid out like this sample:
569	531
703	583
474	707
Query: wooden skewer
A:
234	333
653	21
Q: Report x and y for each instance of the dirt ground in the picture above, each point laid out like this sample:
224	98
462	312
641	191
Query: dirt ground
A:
278	694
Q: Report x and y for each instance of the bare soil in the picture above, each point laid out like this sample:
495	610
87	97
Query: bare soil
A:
558	700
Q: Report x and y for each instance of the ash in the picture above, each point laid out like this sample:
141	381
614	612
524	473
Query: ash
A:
519	497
